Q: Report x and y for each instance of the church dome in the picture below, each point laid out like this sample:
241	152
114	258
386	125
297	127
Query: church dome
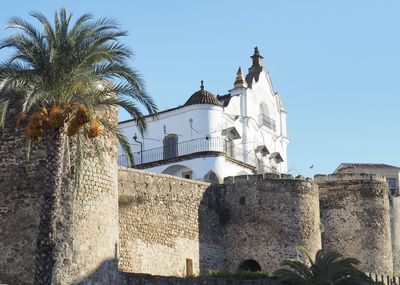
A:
202	97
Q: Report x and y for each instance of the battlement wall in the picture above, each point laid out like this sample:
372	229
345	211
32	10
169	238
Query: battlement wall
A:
337	177
165	220
263	218
355	215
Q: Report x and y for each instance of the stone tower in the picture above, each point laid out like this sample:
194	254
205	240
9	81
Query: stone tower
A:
87	223
270	217
355	217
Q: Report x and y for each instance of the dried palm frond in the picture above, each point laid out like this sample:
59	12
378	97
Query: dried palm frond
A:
34	134
94	129
39	120
81	115
72	128
56	117
22	120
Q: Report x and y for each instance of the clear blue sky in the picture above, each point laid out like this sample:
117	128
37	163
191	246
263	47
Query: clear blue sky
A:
336	64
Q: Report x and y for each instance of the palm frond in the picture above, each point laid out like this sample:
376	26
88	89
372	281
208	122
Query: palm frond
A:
326	268
47	27
298	266
123	141
129	106
65	63
290	277
3	112
304	251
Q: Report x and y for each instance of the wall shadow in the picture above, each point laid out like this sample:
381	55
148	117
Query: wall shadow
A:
212	216
106	273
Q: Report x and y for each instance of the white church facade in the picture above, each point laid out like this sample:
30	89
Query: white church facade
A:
212	137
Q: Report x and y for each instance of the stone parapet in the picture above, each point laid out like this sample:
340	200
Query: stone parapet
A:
321	178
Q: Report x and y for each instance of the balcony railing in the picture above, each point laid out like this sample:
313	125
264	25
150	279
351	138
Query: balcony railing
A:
264	120
190	147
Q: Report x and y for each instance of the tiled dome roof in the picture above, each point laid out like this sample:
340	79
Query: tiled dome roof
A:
202	97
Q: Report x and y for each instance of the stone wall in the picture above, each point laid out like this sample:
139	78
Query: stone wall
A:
395	232
88	229
268	218
164	220
160	224
145	279
87	224
20	195
168	224
356	219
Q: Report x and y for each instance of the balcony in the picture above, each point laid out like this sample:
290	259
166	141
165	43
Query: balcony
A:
264	120
189	150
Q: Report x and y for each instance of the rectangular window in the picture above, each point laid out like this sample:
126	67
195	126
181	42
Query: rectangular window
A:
229	148
392	183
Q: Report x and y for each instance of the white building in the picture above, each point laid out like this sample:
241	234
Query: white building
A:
391	173
211	137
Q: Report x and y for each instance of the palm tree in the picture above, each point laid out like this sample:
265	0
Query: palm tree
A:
329	268
61	79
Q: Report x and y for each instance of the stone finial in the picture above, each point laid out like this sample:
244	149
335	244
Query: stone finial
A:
202	85
240	80
257	58
239	72
256	68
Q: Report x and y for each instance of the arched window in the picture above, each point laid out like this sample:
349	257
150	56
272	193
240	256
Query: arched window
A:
170	146
249	265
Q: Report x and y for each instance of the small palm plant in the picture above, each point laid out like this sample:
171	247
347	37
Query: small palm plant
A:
61	80
329	268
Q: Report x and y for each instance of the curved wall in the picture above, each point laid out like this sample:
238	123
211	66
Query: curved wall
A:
268	219
87	245
87	225
356	219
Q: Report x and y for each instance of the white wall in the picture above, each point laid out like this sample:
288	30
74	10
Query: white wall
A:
262	93
205	120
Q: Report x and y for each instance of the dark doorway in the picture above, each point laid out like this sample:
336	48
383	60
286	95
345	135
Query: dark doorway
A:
249	265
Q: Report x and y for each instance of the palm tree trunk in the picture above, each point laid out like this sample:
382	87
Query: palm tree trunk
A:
54	141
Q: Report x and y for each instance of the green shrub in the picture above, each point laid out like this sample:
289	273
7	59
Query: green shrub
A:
241	275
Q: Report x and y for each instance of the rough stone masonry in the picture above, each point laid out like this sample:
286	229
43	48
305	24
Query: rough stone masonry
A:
87	224
174	226
166	220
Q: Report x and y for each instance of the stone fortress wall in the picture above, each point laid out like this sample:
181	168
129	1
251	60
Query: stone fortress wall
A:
173	226
20	193
269	218
165	220
87	229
